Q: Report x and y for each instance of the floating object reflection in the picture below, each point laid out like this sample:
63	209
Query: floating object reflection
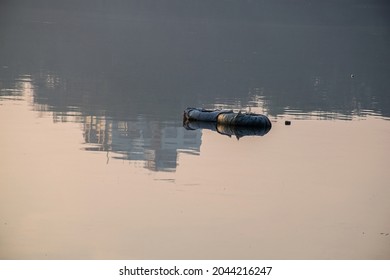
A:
227	129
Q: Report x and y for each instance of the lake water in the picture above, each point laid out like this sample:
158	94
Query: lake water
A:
96	164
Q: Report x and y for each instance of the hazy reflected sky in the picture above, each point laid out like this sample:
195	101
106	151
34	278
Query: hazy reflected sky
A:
313	190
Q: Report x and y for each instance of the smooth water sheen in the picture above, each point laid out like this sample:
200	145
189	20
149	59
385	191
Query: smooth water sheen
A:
96	164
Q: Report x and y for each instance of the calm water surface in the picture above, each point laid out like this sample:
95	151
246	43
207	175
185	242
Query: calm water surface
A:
96	164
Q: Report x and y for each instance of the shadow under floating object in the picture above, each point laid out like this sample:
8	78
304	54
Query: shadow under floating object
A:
227	122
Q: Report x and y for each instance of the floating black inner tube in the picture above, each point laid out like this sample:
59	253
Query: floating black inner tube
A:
227	117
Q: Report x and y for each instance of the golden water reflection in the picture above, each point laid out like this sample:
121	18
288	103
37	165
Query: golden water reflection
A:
312	190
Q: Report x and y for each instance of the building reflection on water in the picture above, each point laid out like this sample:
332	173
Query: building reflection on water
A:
152	144
145	142
127	72
113	122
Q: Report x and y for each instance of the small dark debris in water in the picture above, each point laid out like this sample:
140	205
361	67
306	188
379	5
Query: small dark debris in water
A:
287	122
